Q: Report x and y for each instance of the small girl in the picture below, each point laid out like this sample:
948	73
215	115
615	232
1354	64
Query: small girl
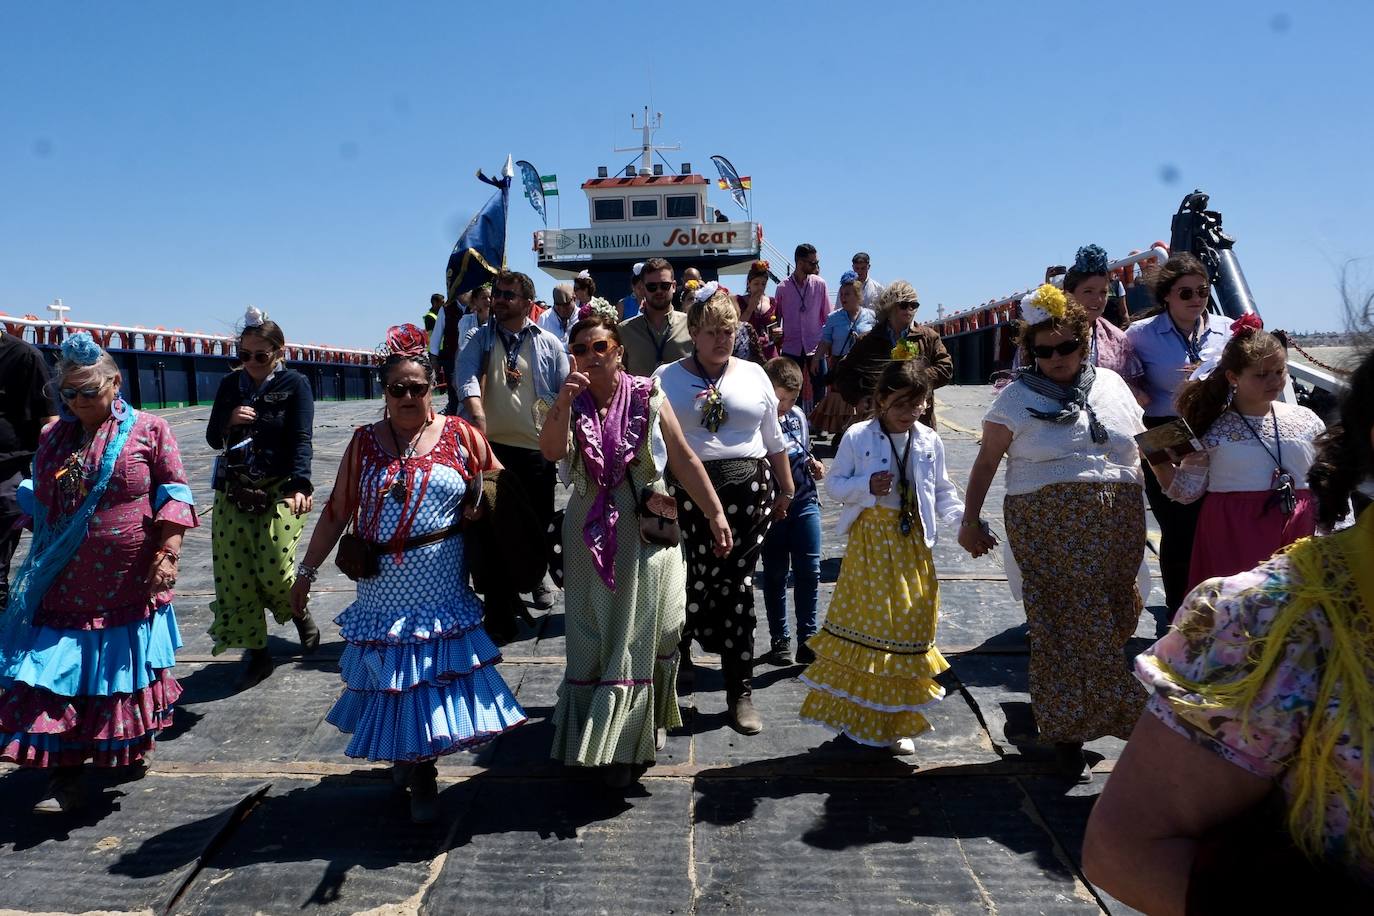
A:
876	656
1258	452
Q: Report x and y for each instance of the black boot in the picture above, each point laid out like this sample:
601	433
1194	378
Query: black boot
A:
66	792
739	702
424	793
499	619
258	669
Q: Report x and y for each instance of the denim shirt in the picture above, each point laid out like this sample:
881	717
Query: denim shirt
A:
795	434
549	363
1161	350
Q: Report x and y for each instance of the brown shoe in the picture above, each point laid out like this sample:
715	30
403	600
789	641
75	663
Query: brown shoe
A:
744	717
308	632
258	669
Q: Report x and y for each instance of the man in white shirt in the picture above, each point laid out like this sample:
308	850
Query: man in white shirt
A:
872	289
559	320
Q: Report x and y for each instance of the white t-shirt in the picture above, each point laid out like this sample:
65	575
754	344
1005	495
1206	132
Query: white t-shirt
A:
751	428
1043	452
550	321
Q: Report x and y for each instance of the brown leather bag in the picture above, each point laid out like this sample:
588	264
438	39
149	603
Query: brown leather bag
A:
658	519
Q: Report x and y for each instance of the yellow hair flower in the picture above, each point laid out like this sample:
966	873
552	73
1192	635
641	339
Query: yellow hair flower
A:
905	350
1052	299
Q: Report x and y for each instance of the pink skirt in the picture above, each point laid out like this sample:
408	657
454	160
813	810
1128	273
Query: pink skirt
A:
1239	531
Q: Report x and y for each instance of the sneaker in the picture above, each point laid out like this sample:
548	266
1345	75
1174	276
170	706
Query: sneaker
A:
805	654
780	653
902	747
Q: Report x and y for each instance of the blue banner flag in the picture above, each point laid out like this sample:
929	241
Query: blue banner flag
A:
730	176
481	250
534	188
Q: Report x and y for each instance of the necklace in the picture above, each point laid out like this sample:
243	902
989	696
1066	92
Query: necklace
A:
71	475
397	490
713	412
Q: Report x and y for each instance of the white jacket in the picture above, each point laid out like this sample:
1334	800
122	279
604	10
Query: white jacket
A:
865	450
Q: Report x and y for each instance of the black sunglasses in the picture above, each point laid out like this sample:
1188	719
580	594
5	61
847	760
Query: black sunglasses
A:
507	295
655	287
1045	351
907	305
1185	293
414	389
599	347
89	392
255	356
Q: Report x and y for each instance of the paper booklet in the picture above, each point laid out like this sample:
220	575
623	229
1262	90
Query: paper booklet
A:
1169	443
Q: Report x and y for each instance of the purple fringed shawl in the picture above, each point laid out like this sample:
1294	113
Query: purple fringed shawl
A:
607	446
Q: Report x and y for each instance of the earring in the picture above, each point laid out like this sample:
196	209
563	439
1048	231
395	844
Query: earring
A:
1230	396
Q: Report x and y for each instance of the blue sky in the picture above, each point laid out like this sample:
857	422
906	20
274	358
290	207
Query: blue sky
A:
170	163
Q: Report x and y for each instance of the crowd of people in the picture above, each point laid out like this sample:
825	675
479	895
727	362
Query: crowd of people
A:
684	420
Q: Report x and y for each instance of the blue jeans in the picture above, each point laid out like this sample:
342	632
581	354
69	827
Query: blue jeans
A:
795	539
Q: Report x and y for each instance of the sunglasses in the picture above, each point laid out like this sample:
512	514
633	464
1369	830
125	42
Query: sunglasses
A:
505	295
913	306
1185	293
1045	351
71	394
655	287
599	347
256	356
414	389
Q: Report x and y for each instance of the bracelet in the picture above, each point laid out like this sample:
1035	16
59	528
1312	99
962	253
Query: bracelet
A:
971	523
792	495
168	552
308	573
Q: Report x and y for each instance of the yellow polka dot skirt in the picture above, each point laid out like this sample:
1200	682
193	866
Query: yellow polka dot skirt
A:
875	656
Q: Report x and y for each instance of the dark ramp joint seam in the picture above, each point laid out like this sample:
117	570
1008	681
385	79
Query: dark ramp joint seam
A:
240	813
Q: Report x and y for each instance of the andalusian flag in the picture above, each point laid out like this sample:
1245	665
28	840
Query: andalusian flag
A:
550	183
744	182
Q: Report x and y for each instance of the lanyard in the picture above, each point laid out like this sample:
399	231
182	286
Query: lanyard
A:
801	296
1283	481
853	323
1192	344
660	343
791	428
907	516
512	355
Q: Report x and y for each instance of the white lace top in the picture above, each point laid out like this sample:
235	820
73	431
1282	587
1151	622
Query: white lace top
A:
1238	463
1044	453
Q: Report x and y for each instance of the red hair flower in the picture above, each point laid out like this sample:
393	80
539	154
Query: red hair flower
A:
1247	322
406	340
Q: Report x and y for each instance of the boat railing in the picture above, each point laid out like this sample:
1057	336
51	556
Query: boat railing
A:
51	332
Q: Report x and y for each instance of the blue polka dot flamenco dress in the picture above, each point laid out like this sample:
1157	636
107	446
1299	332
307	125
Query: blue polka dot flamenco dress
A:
419	670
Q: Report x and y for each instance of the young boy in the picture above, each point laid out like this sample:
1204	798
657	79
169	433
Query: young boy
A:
797	538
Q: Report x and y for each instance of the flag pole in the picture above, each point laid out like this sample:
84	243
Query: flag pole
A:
507	173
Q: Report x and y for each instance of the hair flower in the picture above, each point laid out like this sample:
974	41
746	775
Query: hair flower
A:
598	306
905	349
406	340
703	292
1091	259
1246	323
253	317
80	348
848	277
1047	302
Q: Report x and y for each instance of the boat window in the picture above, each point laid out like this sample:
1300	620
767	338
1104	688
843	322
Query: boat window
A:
681	206
608	208
644	208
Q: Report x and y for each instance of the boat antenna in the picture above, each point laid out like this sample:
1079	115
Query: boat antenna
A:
646	148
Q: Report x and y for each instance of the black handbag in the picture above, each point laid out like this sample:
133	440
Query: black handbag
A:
658	518
246	496
357	557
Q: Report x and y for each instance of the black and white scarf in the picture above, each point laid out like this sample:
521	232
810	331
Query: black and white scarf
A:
1072	398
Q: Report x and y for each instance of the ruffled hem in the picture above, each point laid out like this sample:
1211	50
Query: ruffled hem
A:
883	694
863	659
599	724
29	750
89	663
429	720
866	726
25	709
361	623
404	666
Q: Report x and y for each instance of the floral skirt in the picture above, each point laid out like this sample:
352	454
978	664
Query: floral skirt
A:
833	414
875	655
68	696
1079	546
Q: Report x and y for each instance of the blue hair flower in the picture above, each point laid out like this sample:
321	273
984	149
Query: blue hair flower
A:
80	348
848	277
1091	259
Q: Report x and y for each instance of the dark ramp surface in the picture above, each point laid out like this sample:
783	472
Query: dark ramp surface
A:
250	805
